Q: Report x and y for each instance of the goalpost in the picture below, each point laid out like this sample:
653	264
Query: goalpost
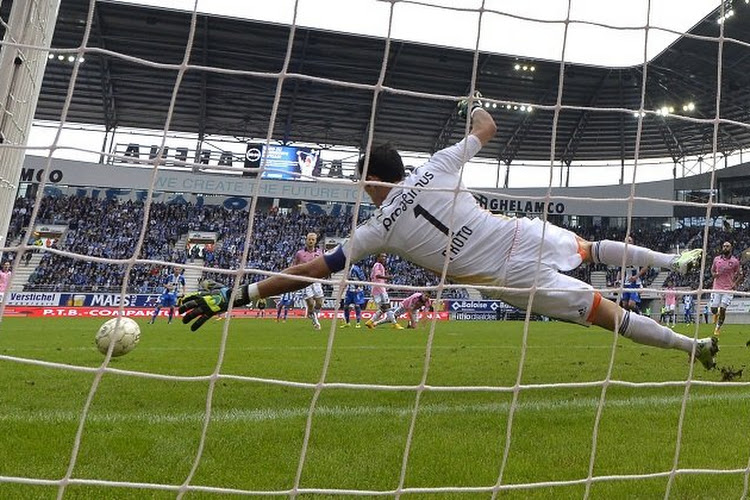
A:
28	35
22	62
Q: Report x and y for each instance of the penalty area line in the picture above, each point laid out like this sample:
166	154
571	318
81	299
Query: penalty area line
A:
12	415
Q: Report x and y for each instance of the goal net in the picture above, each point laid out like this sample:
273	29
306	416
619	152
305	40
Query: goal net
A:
96	219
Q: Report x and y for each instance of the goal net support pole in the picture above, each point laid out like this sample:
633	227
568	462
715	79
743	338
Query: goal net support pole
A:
23	59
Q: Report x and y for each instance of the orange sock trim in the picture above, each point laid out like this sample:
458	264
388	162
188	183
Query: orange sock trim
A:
583	253
594	307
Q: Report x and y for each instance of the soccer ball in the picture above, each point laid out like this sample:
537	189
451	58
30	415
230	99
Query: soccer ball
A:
124	332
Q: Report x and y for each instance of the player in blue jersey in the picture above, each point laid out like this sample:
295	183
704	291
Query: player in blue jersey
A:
687	302
632	281
355	296
284	303
173	289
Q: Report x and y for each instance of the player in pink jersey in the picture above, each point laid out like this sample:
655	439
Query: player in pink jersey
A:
670	302
411	305
727	274
431	219
379	276
313	293
5	276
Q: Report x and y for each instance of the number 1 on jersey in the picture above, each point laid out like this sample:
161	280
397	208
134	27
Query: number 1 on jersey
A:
420	210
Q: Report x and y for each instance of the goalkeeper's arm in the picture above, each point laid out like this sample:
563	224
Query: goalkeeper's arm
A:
276	285
203	305
482	125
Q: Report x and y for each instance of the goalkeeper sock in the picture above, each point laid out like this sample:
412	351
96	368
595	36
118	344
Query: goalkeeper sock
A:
611	252
644	330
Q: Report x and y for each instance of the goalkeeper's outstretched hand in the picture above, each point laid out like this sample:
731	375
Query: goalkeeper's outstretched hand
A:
203	305
466	106
208	284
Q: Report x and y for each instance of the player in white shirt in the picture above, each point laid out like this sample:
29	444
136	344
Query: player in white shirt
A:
307	161
429	227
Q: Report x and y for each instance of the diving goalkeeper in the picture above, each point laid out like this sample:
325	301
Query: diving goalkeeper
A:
428	227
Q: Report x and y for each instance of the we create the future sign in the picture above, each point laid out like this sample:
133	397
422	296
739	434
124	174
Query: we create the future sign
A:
605	201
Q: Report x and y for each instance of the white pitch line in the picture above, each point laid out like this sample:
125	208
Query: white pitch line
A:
285	348
269	414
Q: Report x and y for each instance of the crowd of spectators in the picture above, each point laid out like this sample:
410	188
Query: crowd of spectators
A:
110	229
107	229
275	238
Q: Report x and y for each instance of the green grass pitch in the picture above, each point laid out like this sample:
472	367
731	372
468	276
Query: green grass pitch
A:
147	430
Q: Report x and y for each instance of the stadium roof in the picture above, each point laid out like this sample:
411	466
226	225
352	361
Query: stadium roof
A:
114	91
523	28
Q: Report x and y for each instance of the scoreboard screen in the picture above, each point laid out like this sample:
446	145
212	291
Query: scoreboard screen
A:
283	162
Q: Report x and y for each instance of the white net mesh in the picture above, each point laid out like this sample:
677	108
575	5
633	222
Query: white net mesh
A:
505	399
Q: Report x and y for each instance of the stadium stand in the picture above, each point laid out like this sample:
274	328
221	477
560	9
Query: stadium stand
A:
109	228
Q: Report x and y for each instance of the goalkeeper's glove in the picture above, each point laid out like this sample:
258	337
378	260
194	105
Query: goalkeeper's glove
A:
204	305
209	284
466	106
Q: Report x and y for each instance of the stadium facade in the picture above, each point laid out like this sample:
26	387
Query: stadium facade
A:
673	202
